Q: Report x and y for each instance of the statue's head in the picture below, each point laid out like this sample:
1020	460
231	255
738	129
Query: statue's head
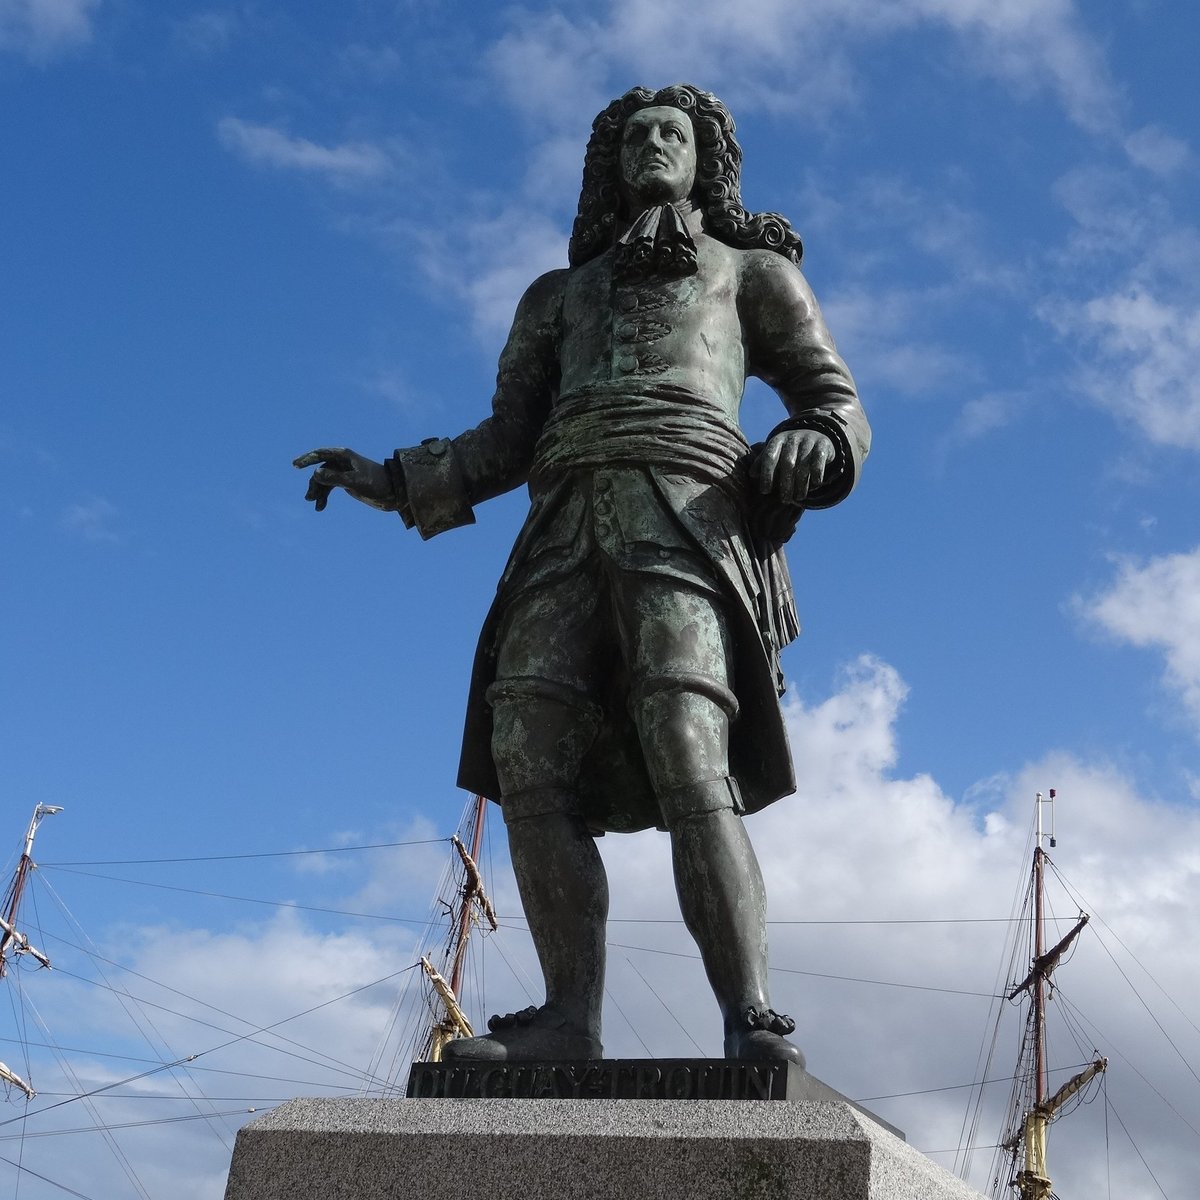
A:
664	147
657	158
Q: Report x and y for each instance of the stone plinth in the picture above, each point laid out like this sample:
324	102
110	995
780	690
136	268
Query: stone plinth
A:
626	1079
551	1149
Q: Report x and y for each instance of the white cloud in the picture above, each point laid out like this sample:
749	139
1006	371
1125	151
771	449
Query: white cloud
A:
495	260
1112	211
394	385
42	28
860	842
207	32
1137	336
889	221
1154	344
1157	151
879	329
92	520
203	995
263	145
879	229
872	875
983	415
486	260
555	166
547	55
568	60
1156	605
794	54
1141	352
1033	43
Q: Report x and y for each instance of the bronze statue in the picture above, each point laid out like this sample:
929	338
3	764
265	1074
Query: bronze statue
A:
628	673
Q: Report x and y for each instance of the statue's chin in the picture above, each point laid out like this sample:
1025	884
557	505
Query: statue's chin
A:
655	191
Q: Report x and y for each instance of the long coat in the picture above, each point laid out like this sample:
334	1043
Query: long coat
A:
745	312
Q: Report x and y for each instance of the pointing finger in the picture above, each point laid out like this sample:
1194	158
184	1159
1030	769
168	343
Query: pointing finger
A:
336	455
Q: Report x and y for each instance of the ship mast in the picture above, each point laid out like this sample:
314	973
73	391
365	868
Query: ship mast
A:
453	1021
1033	1181
12	941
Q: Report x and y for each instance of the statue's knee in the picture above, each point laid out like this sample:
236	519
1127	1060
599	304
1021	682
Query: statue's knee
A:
541	731
683	723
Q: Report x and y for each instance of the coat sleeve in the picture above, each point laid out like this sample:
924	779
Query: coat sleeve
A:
441	480
790	349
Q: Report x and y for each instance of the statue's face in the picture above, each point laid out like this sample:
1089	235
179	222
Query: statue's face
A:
658	156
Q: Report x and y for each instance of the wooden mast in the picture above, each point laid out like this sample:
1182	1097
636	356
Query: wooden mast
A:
12	941
10	935
453	1021
472	889
1039	949
1033	1181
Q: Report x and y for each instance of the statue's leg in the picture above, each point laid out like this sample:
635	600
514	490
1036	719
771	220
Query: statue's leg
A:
540	739
544	722
683	707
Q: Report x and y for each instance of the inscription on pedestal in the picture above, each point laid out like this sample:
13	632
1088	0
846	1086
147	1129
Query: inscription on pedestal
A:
611	1079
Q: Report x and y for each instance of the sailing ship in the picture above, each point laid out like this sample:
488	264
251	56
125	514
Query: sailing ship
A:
1032	1107
445	986
469	906
14	943
461	905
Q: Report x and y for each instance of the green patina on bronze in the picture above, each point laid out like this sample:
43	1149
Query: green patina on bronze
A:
628	673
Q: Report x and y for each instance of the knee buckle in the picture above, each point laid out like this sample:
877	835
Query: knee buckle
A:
699	685
678	804
524	803
524	689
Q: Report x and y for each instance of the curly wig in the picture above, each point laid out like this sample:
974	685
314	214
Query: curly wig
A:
717	191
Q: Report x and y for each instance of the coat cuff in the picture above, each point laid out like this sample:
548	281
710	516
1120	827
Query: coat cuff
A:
429	478
846	465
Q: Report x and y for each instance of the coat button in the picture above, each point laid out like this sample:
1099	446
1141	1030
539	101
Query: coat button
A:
627	302
628	332
627	363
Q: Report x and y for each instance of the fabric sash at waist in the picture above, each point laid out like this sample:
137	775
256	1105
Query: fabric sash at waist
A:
659	426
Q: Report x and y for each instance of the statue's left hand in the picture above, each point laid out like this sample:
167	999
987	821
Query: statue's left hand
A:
792	464
363	478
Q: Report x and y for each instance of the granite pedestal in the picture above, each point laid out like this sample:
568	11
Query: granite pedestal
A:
626	1079
598	1149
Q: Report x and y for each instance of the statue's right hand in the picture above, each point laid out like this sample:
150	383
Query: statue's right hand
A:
363	478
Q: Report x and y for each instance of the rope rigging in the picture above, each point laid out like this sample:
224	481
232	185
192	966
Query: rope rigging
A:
410	1011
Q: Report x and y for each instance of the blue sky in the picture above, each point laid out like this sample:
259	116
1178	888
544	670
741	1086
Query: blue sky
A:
234	233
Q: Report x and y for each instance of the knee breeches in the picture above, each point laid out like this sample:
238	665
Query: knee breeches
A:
560	647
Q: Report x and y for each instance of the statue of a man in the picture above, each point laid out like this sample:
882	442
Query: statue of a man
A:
628	673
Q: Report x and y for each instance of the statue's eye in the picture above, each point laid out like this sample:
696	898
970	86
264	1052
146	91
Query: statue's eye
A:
673	131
